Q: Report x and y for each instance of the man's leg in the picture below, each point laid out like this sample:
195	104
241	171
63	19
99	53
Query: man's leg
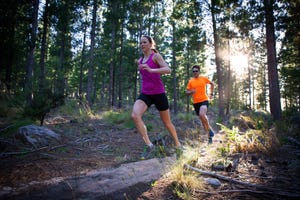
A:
205	122
203	117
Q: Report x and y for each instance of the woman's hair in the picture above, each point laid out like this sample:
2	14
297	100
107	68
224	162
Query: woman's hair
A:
151	41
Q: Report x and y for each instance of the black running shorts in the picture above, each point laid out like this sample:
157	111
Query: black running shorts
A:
198	105
159	100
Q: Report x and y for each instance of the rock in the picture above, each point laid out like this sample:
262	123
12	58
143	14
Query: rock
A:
37	136
213	182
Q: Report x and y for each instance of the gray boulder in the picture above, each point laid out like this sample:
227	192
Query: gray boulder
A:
37	136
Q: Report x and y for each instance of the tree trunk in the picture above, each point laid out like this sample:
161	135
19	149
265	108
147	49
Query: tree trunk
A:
30	58
90	84
218	61
82	61
43	49
174	69
120	71
274	92
7	42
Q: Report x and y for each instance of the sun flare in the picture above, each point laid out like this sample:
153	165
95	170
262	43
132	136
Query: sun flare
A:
239	64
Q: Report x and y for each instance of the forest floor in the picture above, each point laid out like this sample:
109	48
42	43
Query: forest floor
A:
94	144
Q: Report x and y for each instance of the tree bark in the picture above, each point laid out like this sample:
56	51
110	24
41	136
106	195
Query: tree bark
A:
218	60
90	84
43	49
274	91
30	57
174	69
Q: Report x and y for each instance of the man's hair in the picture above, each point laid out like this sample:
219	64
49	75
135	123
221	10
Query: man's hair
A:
196	67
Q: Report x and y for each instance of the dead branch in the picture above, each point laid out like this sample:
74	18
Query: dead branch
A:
225	178
5	128
30	151
266	190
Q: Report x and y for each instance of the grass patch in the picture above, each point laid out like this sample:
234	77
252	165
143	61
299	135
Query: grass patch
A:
122	118
187	117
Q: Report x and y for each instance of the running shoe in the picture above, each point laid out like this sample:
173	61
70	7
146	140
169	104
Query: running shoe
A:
148	152
211	133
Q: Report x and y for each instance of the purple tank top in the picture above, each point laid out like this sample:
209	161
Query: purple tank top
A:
151	82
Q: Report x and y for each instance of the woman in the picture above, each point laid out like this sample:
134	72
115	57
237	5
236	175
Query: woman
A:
151	66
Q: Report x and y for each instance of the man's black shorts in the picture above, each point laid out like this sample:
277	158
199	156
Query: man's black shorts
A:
198	105
159	100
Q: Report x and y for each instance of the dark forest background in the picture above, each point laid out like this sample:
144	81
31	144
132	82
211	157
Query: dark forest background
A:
85	50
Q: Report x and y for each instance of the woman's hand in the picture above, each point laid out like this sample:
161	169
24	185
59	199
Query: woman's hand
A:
145	67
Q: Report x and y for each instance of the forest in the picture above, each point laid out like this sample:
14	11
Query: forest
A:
83	53
86	50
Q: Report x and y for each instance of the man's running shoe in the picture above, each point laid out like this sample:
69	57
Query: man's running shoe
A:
148	152
210	140
211	133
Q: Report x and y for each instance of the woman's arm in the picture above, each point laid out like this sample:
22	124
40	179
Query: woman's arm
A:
164	68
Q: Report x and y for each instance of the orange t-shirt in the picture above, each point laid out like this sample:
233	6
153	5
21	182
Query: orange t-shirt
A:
199	84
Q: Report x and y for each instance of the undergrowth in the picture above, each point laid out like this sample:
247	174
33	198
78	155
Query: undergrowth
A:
247	132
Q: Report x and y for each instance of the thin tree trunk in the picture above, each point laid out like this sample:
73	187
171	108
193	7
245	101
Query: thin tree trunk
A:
218	61
90	84
43	49
120	71
174	70
30	59
80	89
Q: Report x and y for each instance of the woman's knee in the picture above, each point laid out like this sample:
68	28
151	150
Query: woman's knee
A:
134	116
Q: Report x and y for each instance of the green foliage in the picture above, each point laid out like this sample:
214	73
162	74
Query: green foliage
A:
289	125
118	118
187	117
79	112
249	141
15	125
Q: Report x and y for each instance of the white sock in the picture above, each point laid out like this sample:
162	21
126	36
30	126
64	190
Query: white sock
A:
150	145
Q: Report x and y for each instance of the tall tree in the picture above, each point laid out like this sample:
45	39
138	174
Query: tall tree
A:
90	85
213	10
9	10
275	105
30	57
289	55
44	48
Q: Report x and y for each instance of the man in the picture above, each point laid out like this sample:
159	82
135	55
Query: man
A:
197	88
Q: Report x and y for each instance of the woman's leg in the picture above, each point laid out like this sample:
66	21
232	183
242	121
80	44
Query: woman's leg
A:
166	119
139	108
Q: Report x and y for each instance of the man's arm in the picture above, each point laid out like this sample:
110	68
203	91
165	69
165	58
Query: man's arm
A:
212	86
189	92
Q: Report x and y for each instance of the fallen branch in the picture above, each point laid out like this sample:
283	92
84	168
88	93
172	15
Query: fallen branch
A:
3	129
30	151
225	178
267	190
249	191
